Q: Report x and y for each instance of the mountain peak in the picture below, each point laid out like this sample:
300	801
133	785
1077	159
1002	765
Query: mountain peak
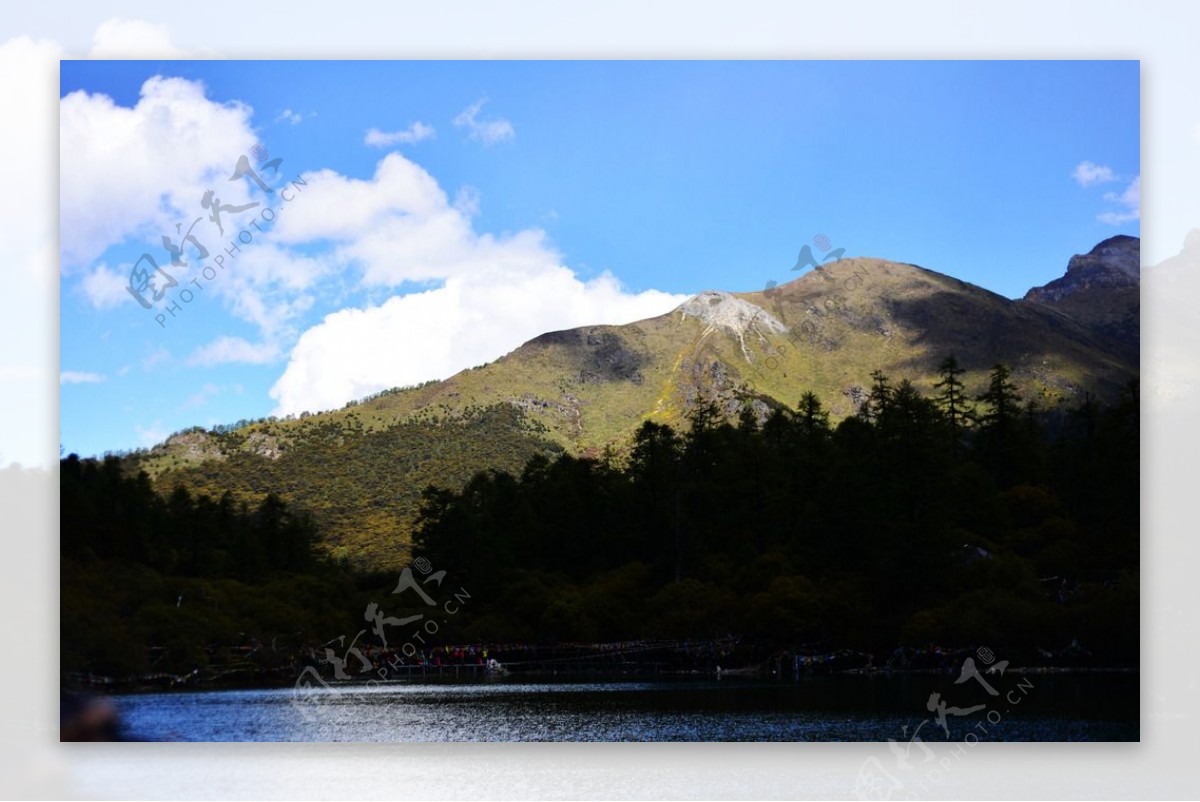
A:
1115	262
1101	290
1121	253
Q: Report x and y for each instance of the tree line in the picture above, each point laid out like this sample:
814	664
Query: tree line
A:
154	584
954	520
948	520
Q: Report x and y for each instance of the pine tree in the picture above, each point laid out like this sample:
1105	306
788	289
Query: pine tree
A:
952	400
1002	440
880	397
704	416
811	416
1002	399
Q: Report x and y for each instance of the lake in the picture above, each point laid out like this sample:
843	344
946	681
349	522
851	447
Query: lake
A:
1096	707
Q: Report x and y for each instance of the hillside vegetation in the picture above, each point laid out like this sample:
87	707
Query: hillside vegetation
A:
919	521
362	486
360	470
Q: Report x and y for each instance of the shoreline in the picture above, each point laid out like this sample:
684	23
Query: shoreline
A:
284	679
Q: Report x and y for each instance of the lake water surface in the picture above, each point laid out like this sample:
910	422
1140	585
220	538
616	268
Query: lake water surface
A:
837	708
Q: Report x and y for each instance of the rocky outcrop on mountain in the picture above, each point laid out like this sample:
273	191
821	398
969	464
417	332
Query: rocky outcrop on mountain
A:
1115	262
723	311
1101	291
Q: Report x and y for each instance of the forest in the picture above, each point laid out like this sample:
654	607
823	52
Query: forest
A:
179	584
947	521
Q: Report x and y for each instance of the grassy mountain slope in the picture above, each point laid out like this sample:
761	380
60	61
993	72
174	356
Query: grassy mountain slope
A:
593	385
360	469
362	487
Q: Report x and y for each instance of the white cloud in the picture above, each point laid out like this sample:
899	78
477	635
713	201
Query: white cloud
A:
105	287
472	319
134	172
417	132
271	286
224	350
488	132
141	170
1130	201
79	377
494	293
287	115
1089	173
466	200
400	227
334	207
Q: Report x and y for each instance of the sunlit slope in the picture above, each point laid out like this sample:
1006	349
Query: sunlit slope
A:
591	385
361	469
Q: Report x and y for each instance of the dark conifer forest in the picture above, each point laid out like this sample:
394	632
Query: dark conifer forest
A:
949	521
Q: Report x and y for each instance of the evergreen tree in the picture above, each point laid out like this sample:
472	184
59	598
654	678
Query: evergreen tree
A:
1003	441
1002	400
952	398
879	398
811	417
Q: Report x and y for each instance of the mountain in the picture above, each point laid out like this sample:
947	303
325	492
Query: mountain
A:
1101	290
826	331
361	469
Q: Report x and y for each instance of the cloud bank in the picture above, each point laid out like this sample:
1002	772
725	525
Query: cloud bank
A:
409	288
494	293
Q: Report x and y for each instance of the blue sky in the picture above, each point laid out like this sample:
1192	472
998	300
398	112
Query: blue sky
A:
497	200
